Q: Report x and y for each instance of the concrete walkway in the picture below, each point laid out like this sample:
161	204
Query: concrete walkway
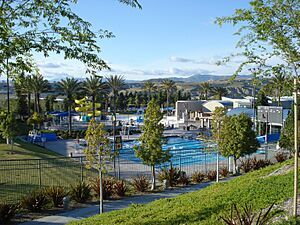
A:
81	213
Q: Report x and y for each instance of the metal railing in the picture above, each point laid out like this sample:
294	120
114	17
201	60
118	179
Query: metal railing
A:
19	177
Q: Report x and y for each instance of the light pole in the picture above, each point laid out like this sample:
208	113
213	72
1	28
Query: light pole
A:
296	147
217	178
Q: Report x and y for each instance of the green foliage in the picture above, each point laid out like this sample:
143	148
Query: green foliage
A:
237	137
198	177
140	183
171	174
218	116
150	151
35	201
246	216
205	206
7	212
269	28
287	134
80	192
56	195
8	125
98	144
261	100
35	120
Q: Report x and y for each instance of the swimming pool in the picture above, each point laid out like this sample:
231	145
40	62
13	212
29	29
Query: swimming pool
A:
184	152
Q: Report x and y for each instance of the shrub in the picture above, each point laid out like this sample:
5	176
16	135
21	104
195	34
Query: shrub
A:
80	192
246	216
281	157
140	183
7	212
183	178
107	186
119	188
224	171
56	195
258	164
172	175
212	175
35	201
198	177
246	165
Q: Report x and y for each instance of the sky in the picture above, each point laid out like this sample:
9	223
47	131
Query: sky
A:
164	39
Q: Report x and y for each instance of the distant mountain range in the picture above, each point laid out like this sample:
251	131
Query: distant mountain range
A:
194	78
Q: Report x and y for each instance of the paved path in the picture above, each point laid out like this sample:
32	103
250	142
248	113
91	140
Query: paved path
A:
81	213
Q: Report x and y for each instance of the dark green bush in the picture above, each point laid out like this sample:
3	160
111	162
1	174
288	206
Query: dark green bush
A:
198	177
7	212
119	188
140	183
35	201
172	175
212	175
56	195
224	171
80	192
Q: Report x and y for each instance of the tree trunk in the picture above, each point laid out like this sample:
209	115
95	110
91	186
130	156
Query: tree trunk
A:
29	103
100	187
70	119
153	186
38	102
167	103
93	105
234	165
7	91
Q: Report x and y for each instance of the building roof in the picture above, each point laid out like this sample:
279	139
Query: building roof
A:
238	111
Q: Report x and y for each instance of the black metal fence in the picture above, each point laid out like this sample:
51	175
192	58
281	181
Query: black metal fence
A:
19	177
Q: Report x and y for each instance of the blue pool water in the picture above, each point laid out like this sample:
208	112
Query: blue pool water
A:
184	152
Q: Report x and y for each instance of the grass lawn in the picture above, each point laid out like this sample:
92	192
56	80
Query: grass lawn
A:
24	150
205	206
30	167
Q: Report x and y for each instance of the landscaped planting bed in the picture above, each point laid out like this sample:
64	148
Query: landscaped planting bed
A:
207	205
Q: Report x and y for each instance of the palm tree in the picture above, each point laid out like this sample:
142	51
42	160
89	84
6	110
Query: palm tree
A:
205	88
279	82
169	86
93	85
219	92
149	87
115	83
39	85
69	86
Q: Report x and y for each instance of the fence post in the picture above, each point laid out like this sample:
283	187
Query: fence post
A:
205	163
180	160
81	170
40	173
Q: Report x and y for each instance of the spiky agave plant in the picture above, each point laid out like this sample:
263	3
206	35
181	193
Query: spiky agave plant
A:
246	216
